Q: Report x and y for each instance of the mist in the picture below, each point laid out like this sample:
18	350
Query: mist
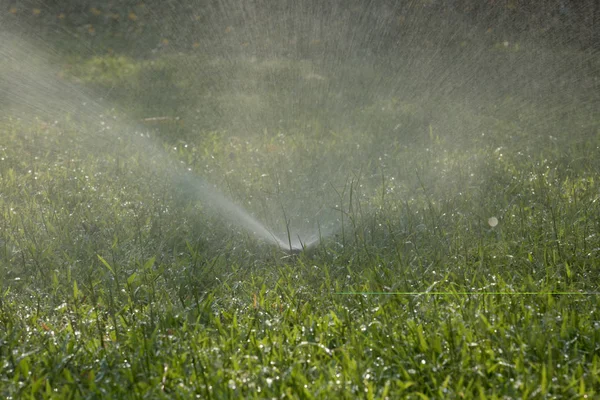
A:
376	75
32	89
299	198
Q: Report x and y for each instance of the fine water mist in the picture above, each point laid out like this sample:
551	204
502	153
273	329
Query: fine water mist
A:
31	89
271	198
359	76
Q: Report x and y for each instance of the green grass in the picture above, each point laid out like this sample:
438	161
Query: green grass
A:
117	283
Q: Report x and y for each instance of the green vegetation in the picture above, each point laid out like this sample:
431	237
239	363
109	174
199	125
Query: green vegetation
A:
464	263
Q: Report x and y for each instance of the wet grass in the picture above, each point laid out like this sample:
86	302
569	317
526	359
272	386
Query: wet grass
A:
461	266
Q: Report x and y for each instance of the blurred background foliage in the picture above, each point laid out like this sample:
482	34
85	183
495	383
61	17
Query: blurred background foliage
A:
139	27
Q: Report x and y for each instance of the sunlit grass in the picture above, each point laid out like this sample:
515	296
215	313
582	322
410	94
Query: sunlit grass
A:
463	262
115	287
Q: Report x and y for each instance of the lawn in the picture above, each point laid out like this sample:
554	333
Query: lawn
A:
453	189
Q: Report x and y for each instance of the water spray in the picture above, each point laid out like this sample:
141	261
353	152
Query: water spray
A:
29	88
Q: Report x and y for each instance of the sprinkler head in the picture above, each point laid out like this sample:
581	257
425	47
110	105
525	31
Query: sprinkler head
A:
295	248
294	251
291	251
305	248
